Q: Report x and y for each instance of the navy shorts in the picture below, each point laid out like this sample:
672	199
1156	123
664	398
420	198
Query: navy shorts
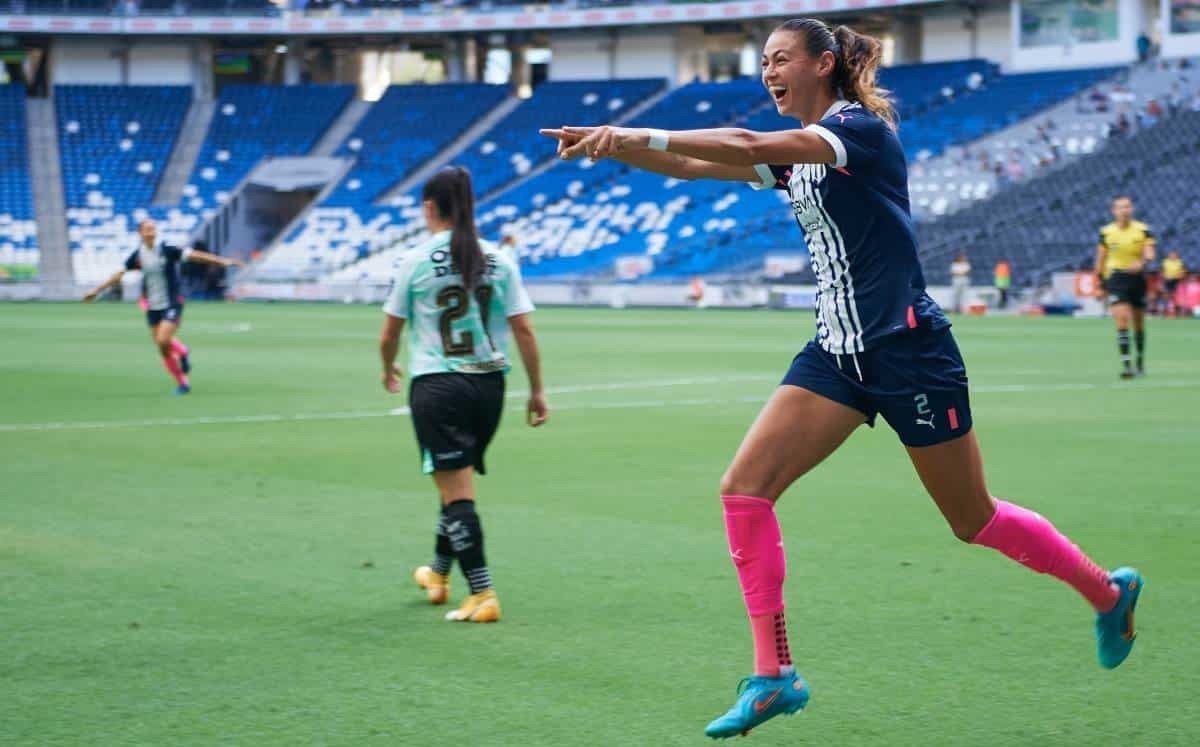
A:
915	379
172	314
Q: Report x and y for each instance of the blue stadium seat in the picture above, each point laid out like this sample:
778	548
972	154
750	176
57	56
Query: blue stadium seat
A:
18	231
115	142
252	122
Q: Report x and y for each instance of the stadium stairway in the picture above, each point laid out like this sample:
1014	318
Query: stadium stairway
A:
187	149
452	150
341	127
45	172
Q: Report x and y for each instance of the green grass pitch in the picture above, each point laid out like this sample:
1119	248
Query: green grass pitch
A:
233	567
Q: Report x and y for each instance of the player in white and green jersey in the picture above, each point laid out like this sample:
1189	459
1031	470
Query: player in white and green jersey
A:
460	298
453	330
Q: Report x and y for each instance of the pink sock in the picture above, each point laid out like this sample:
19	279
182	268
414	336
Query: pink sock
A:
171	363
177	346
1028	538
756	546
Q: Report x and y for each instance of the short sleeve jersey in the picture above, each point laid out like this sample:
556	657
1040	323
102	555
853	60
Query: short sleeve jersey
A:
453	330
159	264
856	222
1126	246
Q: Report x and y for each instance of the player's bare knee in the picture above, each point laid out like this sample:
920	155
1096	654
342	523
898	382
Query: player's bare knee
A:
968	526
737	482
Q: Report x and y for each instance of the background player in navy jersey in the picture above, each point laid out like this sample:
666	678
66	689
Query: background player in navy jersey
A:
459	297
163	295
882	345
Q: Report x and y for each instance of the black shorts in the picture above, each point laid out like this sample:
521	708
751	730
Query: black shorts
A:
1126	287
917	380
173	314
1169	288
455	417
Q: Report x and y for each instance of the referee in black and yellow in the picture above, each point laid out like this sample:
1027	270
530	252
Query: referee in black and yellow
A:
1126	246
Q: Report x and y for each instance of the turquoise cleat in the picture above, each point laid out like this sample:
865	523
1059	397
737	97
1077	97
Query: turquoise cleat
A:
1114	629
183	389
761	698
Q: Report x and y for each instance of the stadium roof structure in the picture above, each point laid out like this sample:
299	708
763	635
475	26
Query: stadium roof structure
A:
297	23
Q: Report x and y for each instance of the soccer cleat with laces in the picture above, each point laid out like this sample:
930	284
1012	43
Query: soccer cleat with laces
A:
760	699
1115	633
436	586
483	607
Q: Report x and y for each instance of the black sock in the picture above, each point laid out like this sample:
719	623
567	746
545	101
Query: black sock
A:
466	539
1139	341
443	553
1123	346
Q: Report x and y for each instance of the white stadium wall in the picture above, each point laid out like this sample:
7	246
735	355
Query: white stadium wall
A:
626	54
576	57
946	34
160	64
113	61
96	61
646	55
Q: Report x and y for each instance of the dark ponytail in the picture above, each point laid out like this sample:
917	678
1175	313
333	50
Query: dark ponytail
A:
856	62
451	193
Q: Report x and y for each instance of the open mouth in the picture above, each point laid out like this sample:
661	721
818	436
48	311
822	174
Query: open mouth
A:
778	93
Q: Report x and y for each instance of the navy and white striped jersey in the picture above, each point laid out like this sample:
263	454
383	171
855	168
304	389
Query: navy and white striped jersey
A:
856	222
160	273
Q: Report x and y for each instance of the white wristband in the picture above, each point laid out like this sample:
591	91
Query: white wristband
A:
658	140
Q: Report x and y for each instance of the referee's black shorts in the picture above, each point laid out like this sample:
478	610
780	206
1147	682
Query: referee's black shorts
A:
1126	287
455	416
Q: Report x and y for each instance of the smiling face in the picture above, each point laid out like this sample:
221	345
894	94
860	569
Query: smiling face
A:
791	75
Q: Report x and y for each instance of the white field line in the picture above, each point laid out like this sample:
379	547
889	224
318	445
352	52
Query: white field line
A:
617	405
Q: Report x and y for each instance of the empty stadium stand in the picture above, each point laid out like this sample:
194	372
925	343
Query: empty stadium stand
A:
115	142
1051	222
577	219
349	226
18	232
252	122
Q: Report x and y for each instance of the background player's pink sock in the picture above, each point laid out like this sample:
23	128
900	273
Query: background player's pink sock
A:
177	346
171	363
756	546
1028	538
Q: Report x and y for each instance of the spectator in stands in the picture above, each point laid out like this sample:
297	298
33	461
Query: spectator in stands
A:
1122	128
960	281
1143	47
1002	279
1153	113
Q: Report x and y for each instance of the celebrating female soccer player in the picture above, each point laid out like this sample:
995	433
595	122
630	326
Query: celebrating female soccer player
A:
458	296
161	291
1126	245
882	344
